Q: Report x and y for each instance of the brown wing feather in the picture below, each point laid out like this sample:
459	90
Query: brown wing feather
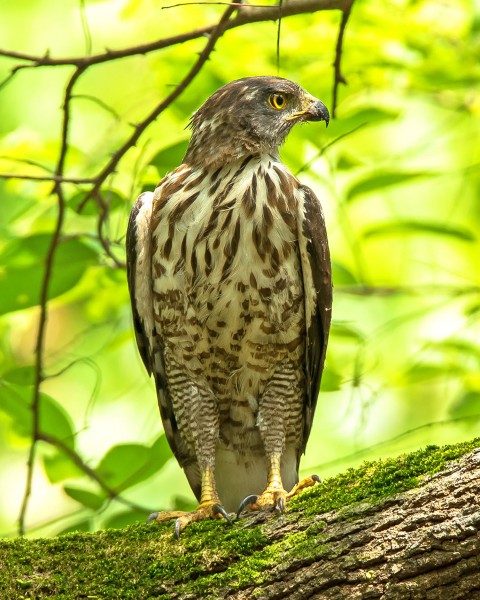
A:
133	234
140	282
317	281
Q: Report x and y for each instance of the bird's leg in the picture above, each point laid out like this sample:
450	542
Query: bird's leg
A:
210	506
271	419
282	395
274	496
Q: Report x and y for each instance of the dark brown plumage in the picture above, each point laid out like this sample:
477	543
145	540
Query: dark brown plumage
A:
230	281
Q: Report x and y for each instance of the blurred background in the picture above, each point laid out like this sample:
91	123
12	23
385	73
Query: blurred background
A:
398	174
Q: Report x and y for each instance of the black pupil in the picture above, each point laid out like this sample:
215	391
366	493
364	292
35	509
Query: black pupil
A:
278	100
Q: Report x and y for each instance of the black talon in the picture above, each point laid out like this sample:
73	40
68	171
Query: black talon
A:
152	517
281	505
176	529
316	478
245	502
218	508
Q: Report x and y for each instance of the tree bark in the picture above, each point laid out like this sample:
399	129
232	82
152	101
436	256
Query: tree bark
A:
422	543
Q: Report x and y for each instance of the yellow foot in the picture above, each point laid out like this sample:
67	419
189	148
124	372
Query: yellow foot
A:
206	510
309	481
275	498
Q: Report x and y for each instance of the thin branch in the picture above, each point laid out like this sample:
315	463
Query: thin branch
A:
39	360
141	127
100	103
359	454
102	219
237	4
8	79
82	465
52	178
66	122
43	302
27	161
279	26
246	14
86	28
409	290
323	149
338	76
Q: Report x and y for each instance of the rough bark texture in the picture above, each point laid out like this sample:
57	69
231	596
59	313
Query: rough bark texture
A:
424	543
405	528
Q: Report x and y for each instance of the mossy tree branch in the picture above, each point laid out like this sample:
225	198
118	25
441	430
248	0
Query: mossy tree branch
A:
402	528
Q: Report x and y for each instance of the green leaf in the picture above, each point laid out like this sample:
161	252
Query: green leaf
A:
331	380
380	180
457	346
20	375
80	525
125	465
24	267
425	371
472	309
25	251
170	157
85	497
344	330
348	125
55	421
125	518
183	503
410	227
13	206
161	450
60	466
14	402
468	405
341	275
113	199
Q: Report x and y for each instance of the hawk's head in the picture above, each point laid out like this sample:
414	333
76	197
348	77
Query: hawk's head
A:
252	115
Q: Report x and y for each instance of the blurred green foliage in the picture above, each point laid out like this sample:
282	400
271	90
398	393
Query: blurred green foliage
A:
398	173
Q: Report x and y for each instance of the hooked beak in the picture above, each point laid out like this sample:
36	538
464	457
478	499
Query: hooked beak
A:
314	111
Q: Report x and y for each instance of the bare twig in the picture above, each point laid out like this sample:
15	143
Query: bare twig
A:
409	290
247	14
141	127
279	26
323	149
237	4
43	301
106	107
39	359
338	76
102	219
86	29
52	178
347	458
82	465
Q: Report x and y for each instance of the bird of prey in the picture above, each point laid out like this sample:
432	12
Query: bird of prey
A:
230	282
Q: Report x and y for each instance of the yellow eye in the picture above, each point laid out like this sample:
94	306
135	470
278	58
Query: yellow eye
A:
277	101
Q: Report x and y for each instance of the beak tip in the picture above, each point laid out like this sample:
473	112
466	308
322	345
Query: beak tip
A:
320	112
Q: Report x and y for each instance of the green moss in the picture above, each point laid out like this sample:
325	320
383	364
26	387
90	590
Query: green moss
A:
374	481
142	562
